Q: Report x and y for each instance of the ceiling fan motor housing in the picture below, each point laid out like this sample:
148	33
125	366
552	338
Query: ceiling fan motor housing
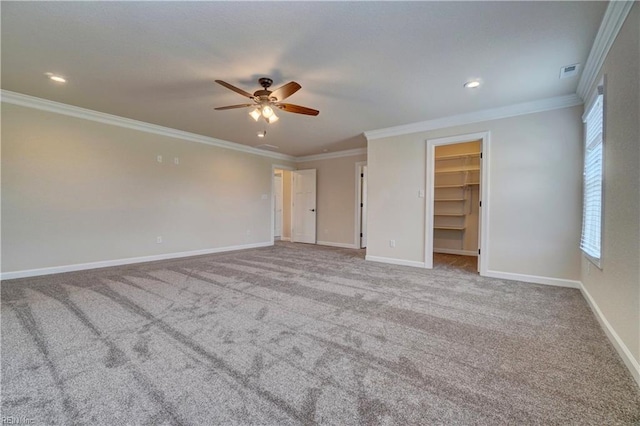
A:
262	96
265	82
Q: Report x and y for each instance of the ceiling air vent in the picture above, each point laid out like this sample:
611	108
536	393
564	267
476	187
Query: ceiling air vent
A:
569	70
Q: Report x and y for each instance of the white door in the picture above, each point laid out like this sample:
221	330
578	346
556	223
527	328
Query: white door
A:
363	209
304	206
277	205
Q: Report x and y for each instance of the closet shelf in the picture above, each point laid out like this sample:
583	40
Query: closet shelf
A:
454	156
456	188
460	185
461	170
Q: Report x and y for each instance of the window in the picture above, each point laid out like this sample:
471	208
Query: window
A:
591	241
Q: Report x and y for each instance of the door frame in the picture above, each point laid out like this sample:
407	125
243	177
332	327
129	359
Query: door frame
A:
357	241
483	234
275	167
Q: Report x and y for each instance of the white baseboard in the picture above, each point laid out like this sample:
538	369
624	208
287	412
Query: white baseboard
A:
454	251
624	352
119	262
534	279
331	244
393	261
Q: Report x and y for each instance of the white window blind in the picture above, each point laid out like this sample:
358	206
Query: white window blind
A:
590	241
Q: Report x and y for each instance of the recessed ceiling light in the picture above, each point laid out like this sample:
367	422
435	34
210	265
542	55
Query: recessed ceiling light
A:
56	78
472	84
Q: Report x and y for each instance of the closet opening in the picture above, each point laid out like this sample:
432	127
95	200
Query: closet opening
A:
455	188
456	205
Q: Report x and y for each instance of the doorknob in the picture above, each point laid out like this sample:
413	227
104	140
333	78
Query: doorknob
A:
312	210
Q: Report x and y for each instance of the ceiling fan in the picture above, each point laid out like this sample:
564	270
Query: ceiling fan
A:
265	100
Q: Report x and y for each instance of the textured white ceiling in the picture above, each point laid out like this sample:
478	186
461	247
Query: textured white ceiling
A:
364	65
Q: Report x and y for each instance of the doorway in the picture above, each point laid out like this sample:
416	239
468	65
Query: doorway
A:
456	186
281	203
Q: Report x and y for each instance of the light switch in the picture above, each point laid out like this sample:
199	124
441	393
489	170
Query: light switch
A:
421	193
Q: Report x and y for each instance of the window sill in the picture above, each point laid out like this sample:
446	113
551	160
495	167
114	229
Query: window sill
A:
595	261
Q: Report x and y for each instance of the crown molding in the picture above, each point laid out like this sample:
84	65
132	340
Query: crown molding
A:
329	155
478	116
114	120
456	120
612	21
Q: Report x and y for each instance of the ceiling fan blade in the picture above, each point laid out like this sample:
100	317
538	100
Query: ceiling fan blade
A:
235	106
285	91
297	109
234	88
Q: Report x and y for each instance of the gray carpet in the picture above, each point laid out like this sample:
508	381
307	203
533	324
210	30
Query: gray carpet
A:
299	334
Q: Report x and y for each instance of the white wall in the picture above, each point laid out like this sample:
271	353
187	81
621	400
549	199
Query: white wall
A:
535	193
396	168
77	191
615	289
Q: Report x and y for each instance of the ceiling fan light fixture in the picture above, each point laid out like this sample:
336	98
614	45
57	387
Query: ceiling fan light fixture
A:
272	119
267	111
255	114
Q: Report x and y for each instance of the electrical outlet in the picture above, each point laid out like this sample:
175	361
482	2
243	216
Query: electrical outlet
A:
159	158
159	240
421	193
392	243
176	161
